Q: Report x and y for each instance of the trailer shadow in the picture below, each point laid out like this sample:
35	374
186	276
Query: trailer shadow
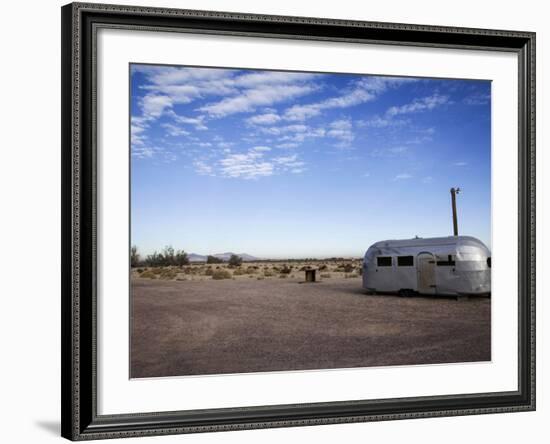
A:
362	292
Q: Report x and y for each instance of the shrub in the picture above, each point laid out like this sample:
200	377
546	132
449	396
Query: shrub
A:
221	274
235	261
346	268
282	276
181	258
326	275
213	260
208	272
169	274
148	274
286	269
352	275
168	257
134	256
260	278
268	274
322	267
239	272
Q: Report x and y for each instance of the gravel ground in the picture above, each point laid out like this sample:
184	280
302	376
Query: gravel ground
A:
238	326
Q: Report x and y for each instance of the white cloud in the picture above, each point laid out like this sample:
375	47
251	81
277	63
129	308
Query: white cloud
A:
477	99
402	176
174	130
364	90
460	164
154	105
202	168
137	129
152	152
249	99
242	92
197	122
290	163
418	105
254	79
143	152
249	165
389	152
254	164
278	130
303	112
381	122
172	75
341	130
300	133
288	145
264	119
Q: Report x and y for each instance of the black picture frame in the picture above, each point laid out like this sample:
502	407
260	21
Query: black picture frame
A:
80	22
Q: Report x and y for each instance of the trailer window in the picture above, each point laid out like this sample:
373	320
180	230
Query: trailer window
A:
450	262
405	261
489	262
384	261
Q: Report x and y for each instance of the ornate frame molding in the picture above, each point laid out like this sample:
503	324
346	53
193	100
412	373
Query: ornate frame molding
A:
80	22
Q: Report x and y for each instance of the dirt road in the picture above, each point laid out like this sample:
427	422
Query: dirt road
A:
237	326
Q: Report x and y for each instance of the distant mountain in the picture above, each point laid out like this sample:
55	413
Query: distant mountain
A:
196	258
193	257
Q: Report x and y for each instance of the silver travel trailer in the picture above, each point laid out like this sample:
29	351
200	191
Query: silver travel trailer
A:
453	265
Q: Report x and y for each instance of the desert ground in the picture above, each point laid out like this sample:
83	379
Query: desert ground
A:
262	317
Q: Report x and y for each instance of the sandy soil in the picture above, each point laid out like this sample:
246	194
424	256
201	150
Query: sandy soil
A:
242	325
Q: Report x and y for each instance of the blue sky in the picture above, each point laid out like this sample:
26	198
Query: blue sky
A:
284	164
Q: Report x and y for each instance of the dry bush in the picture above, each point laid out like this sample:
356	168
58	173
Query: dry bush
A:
268	274
282	276
168	274
322	267
260	278
326	275
221	274
346	268
148	274
239	272
286	269
351	275
208	271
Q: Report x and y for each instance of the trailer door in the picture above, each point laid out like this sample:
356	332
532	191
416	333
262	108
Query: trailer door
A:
425	271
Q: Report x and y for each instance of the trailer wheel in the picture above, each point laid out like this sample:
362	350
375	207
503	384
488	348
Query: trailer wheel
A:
404	293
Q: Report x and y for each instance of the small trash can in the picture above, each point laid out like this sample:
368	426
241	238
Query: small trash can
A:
310	275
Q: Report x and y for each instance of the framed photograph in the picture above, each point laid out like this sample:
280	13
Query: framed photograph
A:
281	221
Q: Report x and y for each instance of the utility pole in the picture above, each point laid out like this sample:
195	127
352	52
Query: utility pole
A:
454	192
